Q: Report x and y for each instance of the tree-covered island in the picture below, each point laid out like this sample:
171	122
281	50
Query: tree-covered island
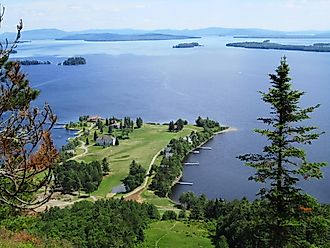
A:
74	61
34	62
187	45
317	47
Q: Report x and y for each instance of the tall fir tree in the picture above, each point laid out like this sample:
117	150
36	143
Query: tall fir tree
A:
283	161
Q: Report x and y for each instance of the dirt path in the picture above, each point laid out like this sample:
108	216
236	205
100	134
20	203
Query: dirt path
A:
135	194
157	242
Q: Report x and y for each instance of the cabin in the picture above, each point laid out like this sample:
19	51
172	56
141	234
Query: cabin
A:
105	141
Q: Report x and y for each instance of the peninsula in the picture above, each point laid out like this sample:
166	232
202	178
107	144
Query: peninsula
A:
317	47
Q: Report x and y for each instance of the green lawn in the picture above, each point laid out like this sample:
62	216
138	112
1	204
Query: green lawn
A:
163	203
169	234
142	146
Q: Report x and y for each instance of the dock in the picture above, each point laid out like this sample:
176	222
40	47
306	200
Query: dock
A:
191	163
185	183
206	148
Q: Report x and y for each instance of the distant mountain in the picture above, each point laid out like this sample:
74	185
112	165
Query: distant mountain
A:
124	37
123	34
36	34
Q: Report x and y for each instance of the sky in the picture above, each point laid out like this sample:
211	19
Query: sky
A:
73	15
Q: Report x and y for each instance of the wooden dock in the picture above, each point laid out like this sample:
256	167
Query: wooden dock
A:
185	183
206	148
191	163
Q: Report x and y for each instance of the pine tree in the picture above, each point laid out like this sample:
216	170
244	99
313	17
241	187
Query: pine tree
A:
283	162
171	126
139	122
95	136
105	165
87	141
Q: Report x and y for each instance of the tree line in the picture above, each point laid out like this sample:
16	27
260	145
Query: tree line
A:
73	176
173	155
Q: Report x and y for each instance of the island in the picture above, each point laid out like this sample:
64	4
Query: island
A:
34	62
317	47
74	61
187	45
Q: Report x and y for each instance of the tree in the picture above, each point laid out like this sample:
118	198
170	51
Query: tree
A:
117	142
135	177
179	124
171	126
105	165
87	141
27	153
139	122
283	162
95	136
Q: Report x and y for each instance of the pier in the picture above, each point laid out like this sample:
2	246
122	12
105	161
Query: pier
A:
191	163
206	148
185	183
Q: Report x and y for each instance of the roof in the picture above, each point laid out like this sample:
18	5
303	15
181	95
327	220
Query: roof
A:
105	139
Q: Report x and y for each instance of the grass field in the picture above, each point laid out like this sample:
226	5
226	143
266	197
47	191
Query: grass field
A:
171	234
142	146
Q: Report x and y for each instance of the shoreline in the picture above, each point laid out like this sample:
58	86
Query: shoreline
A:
227	130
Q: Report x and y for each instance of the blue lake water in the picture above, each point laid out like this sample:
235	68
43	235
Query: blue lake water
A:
152	80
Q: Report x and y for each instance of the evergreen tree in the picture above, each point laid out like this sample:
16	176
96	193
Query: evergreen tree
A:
87	141
139	122
283	162
171	126
105	165
117	142
95	136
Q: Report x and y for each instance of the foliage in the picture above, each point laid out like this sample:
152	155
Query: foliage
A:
208	123
105	223
74	61
171	165
176	126
27	153
105	166
135	176
139	122
244	224
169	215
283	162
73	176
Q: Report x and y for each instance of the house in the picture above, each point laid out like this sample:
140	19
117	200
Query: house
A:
105	141
94	118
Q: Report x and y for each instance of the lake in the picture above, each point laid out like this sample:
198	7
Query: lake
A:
152	80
